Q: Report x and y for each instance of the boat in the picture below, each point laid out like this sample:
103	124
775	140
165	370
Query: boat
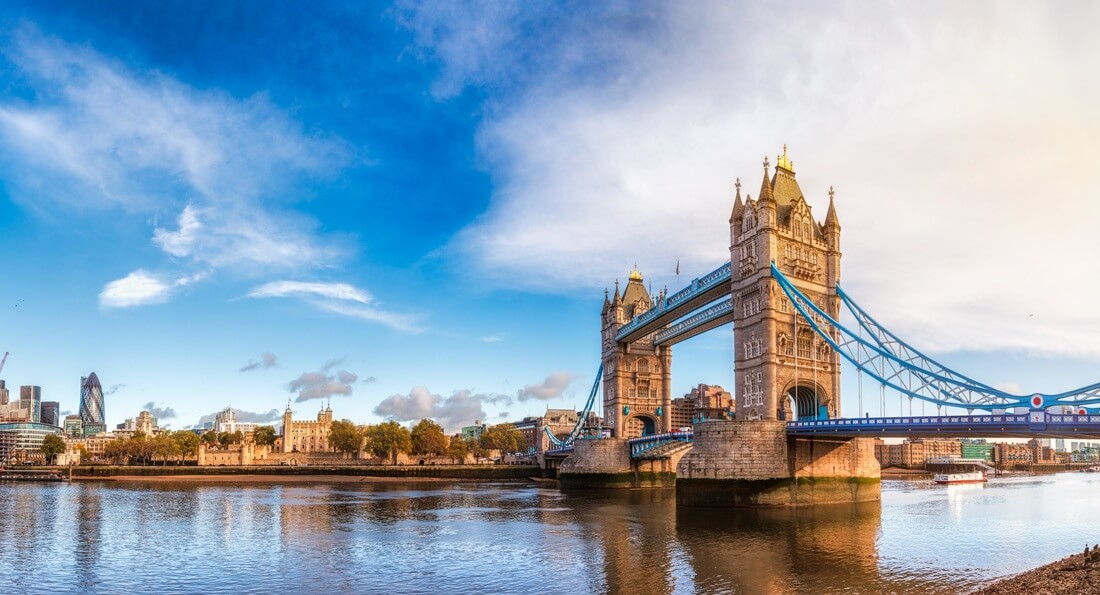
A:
967	477
30	475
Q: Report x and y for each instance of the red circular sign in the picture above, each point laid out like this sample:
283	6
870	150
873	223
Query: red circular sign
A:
1082	411
1037	401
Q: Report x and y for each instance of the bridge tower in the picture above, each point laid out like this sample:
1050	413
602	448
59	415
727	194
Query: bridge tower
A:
636	376
782	369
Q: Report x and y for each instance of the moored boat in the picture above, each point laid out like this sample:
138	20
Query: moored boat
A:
967	477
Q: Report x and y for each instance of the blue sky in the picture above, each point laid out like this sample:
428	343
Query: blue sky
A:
414	208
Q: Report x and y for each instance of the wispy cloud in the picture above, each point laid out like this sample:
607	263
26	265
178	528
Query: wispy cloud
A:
100	134
337	298
861	103
267	360
491	339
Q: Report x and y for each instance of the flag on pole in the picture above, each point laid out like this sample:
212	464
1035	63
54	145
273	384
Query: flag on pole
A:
677	267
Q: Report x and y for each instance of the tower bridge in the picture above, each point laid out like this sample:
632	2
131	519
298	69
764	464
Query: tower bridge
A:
785	442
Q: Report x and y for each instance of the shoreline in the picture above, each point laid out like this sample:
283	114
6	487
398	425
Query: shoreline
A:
271	479
1076	573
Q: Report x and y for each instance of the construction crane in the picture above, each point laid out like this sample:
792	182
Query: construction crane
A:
2	361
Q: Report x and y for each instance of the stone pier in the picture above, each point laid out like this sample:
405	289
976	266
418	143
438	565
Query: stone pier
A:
755	463
606	463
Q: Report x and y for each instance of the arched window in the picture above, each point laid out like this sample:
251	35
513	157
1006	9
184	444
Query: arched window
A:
643	366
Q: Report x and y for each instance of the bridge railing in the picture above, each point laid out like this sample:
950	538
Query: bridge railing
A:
1031	423
640	445
697	286
716	311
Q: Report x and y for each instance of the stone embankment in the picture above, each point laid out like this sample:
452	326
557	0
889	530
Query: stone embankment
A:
1078	574
447	472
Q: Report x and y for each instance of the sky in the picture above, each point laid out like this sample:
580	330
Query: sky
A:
413	209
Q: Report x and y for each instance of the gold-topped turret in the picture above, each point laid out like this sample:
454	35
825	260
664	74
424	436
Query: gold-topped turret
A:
784	162
634	274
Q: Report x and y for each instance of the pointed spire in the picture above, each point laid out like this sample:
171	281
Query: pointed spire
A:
617	300
738	206
830	217
766	185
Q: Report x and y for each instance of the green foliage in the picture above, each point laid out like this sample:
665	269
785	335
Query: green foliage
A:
388	439
457	449
52	445
345	437
503	437
210	438
227	438
428	438
264	436
187	441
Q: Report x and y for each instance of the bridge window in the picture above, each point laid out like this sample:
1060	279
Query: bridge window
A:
630	393
643	366
653	393
804	346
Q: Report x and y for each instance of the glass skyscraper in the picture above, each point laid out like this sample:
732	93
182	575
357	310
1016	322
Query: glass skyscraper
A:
30	397
91	405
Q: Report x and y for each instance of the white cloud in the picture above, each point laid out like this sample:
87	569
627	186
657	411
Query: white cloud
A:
102	135
323	383
136	289
962	154
337	298
551	388
491	339
462	408
337	291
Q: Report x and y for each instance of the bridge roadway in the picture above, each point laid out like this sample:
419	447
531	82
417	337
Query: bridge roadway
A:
1036	424
702	291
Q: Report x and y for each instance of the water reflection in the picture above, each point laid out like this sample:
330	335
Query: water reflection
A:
518	538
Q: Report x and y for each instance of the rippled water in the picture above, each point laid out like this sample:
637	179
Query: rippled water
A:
94	537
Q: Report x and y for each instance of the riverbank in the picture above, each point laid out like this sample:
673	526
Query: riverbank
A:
272	474
1079	574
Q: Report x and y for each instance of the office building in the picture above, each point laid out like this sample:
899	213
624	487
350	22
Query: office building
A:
30	398
73	426
51	413
4	395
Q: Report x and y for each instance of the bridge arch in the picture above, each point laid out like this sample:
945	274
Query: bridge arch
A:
641	424
805	401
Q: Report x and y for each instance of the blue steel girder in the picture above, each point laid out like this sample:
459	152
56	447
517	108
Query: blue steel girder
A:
712	317
702	291
904	371
1035	423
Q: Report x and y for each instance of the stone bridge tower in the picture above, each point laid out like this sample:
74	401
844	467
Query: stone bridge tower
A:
783	370
636	376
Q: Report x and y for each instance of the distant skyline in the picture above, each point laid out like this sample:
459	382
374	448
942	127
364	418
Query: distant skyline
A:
413	209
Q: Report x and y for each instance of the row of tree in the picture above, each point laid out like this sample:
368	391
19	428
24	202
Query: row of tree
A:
389	439
385	440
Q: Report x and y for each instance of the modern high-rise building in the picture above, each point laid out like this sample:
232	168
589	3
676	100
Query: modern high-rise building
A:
4	393
51	413
92	413
30	397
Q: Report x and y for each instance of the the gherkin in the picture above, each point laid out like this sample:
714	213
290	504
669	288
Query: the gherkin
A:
91	401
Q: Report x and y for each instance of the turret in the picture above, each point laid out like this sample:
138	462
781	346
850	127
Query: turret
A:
766	201
832	224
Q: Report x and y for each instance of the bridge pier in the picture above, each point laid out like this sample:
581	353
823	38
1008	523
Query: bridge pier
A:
754	463
607	463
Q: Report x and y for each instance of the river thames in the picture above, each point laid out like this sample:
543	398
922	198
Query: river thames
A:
115	537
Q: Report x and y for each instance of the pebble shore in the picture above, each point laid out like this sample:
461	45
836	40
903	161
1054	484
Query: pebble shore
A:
1077	574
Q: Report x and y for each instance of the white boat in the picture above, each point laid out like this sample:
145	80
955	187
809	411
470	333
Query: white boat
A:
968	477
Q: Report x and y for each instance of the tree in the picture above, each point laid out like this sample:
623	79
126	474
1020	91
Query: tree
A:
164	447
428	438
52	445
187	441
117	450
457	449
388	440
344	436
80	448
264	436
503	437
210	438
